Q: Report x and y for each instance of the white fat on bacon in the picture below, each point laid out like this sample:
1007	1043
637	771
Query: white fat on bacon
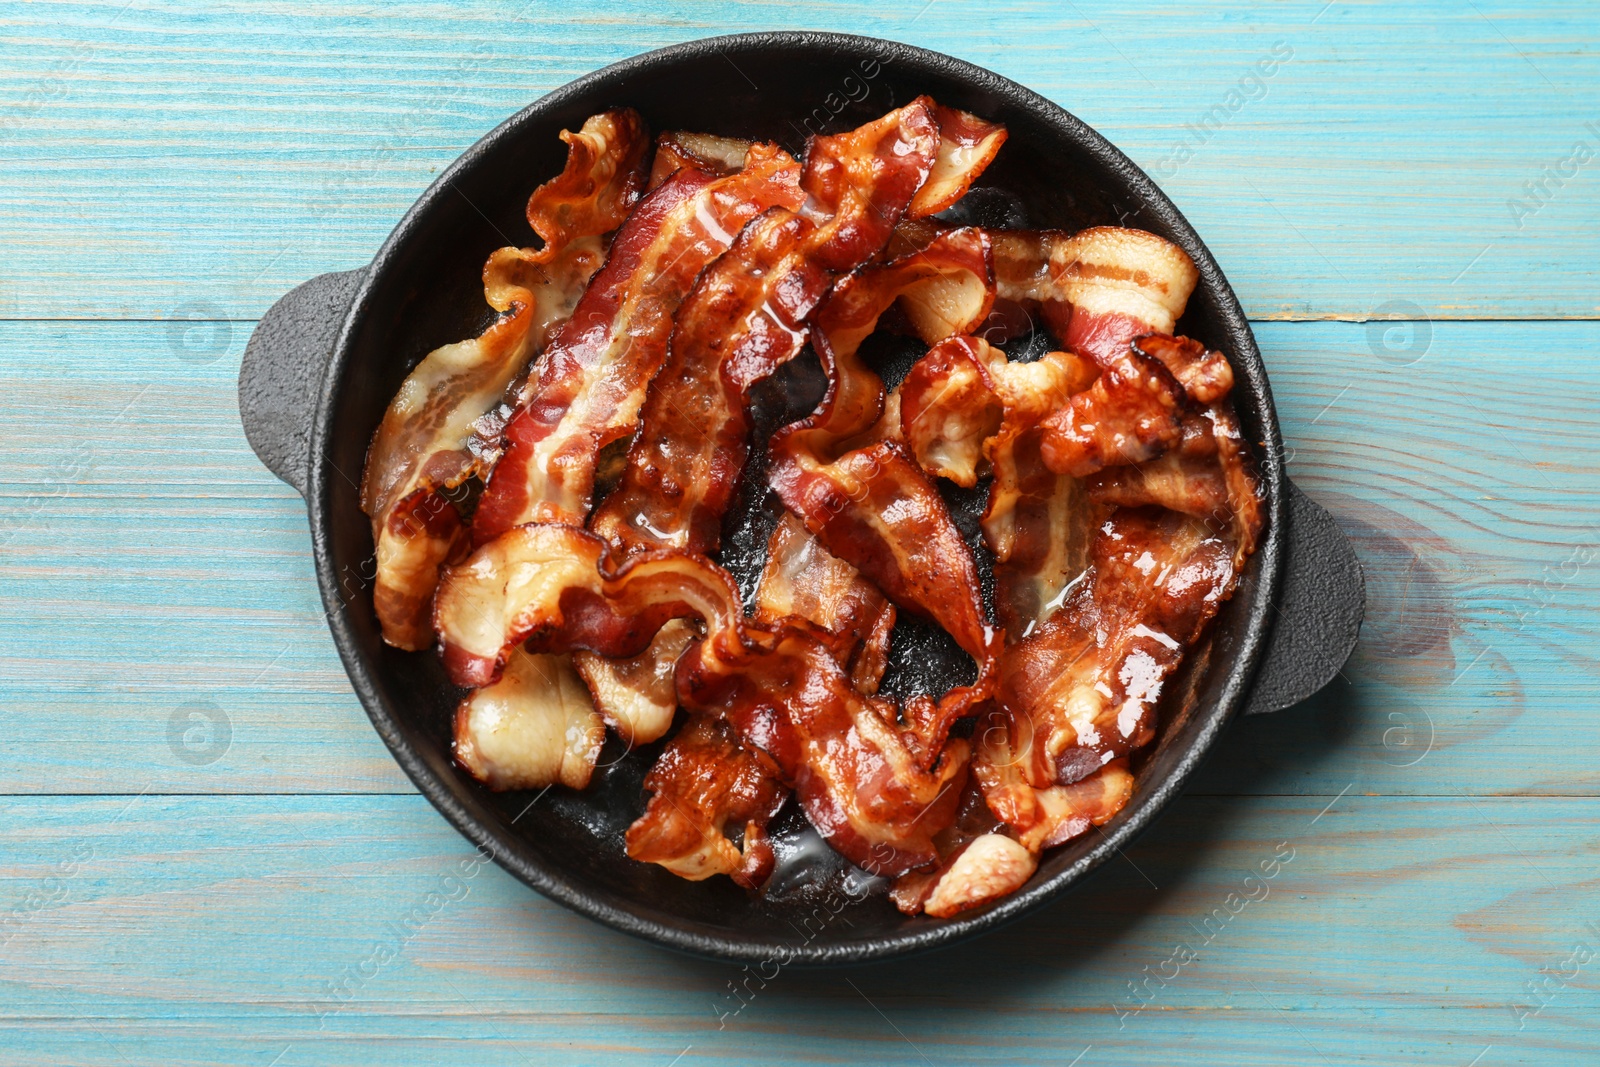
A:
991	866
533	728
636	696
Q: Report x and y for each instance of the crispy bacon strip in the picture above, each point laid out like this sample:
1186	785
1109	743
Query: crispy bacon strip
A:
601	182
964	401
592	379
532	728
1209	476
421	446
546	578
861	784
1082	690
1043	816
705	781
677	149
872	506
967	145
1116	284
1098	288
636	695
746	318
801	578
1131	414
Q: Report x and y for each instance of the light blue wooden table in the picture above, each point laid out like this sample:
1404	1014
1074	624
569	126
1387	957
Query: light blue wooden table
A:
202	842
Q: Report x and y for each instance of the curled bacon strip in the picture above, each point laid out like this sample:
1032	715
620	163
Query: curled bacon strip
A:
861	785
678	149
593	376
805	580
421	446
1043	816
745	318
704	782
602	180
872	506
781	688
1209	473
1098	288
544	579
1082	691
964	401
967	145
1131	414
707	779
1118	285
636	695
533	727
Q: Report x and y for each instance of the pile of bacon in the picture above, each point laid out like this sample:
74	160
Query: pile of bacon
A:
605	414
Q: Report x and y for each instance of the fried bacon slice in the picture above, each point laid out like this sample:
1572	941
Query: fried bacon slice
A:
746	318
967	145
860	783
636	695
1082	690
677	149
590	383
964	402
705	781
532	728
1043	816
601	182
1209	476
1097	289
1131	414
421	446
801	578
543	579
984	869
782	689
743	321
872	506
1116	284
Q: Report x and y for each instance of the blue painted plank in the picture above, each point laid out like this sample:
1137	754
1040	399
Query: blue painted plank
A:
189	929
164	161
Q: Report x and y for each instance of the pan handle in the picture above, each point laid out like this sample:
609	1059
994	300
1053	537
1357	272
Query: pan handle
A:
285	362
1318	612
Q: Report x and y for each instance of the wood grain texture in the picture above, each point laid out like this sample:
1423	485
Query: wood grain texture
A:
228	153
228	929
202	841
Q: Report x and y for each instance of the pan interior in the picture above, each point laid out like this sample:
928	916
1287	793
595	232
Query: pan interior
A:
424	290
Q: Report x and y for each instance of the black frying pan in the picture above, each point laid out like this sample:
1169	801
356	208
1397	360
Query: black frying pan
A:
324	362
